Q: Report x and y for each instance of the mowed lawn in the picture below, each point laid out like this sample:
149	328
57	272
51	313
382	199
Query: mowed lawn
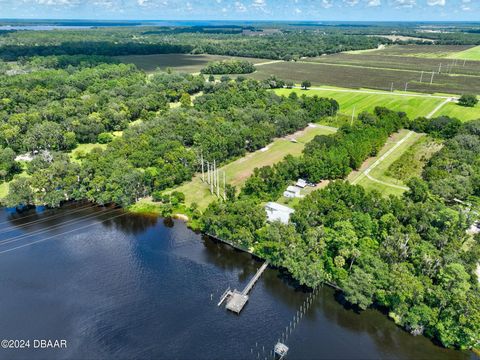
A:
462	113
469	54
238	171
178	62
379	180
414	106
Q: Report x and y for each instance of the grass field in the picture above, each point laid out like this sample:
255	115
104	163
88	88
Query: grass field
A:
237	172
82	149
3	190
370	78
414	106
377	179
460	112
469	54
178	62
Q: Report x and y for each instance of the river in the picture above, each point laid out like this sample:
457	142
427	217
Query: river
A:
119	286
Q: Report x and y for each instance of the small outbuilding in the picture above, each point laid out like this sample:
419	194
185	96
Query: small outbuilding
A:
292	192
278	212
301	183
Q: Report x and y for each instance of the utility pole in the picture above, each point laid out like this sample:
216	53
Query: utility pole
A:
431	80
218	184
214	171
464	61
208	172
211	182
440	68
203	173
224	186
406	86
391	88
353	115
421	77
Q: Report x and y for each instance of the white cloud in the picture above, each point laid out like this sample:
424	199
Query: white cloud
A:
436	2
351	2
259	3
404	3
239	7
326	4
373	3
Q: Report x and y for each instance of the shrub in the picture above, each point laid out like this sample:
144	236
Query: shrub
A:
468	100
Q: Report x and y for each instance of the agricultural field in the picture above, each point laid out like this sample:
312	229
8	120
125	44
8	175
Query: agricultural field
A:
364	77
423	51
469	54
460	112
237	172
401	63
373	173
178	62
414	106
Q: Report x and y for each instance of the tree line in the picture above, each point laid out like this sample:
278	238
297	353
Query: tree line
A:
164	150
286	44
228	67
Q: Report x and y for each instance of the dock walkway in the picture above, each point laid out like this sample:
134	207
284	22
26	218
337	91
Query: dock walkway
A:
236	300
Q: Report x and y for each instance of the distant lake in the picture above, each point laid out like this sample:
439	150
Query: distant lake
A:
42	27
119	286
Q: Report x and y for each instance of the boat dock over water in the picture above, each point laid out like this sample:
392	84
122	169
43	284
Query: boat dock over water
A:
235	299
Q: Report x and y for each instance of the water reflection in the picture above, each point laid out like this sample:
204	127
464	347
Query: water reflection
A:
140	287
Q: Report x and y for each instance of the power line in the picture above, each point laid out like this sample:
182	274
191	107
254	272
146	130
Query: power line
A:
53	227
64	233
46	218
25	217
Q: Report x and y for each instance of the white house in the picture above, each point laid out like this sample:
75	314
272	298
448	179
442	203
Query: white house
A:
292	192
301	183
278	212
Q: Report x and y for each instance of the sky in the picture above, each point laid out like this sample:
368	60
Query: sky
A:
318	10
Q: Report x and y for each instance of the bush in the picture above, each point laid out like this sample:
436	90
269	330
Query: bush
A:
468	100
104	138
157	196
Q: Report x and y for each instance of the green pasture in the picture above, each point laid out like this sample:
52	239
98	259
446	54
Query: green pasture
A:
462	113
238	171
469	54
414	106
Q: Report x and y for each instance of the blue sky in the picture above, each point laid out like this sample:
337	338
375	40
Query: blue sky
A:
432	10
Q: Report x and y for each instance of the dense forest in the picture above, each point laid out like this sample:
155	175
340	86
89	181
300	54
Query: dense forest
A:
160	150
284	45
410	256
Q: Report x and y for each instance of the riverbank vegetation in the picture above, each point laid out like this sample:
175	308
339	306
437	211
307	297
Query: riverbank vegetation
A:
409	255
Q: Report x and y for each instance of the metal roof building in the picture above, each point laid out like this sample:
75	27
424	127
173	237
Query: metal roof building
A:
278	212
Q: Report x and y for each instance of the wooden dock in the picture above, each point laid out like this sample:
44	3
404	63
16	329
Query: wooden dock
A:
236	300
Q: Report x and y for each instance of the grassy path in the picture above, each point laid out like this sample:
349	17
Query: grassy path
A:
238	171
434	111
372	173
